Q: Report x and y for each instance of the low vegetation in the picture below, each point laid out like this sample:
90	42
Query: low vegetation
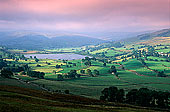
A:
118	72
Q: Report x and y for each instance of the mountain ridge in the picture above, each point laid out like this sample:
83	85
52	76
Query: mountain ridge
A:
39	41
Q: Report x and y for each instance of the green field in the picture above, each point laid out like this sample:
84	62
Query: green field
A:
135	74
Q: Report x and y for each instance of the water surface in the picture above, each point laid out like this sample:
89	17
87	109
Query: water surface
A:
56	56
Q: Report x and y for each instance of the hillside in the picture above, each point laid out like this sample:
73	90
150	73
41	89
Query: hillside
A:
41	41
156	41
28	100
161	33
150	36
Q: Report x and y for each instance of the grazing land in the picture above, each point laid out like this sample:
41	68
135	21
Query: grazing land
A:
127	66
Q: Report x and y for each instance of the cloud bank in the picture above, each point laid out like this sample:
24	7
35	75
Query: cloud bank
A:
84	15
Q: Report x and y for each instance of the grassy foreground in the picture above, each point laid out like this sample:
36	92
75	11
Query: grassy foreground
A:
17	99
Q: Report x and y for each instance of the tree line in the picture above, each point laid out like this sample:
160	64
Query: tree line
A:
142	97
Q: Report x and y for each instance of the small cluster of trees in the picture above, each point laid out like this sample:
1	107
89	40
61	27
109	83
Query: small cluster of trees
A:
87	61
72	74
36	74
113	70
17	68
92	74
149	52
142	97
35	58
3	63
58	66
5	73
113	94
161	74
82	71
60	77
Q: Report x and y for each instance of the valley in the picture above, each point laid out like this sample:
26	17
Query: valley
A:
86	71
84	56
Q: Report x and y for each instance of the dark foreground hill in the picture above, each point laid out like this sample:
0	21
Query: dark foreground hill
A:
18	99
40	41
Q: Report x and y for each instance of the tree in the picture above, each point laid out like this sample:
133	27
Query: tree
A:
96	72
54	72
36	60
6	73
162	99
59	77
36	74
87	63
82	71
161	74
38	65
87	58
58	66
66	92
142	61
25	67
112	69
113	94
89	72
104	64
143	97
120	95
104	94
74	64
131	96
2	63
73	74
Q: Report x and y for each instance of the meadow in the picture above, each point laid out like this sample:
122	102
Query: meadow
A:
134	75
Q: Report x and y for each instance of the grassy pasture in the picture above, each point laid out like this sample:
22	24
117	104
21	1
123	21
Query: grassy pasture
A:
112	53
159	66
99	51
158	58
88	86
164	50
145	81
92	86
136	65
12	82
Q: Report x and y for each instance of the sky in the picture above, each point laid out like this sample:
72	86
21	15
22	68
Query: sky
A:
85	15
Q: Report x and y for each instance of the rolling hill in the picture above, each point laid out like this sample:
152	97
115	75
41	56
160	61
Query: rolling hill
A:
153	37
40	41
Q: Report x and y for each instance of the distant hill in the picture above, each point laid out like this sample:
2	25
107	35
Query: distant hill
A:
154	36
161	33
40	41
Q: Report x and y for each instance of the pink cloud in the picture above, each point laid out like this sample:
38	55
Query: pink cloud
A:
85	14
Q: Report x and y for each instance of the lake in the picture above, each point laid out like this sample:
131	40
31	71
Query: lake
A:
56	56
